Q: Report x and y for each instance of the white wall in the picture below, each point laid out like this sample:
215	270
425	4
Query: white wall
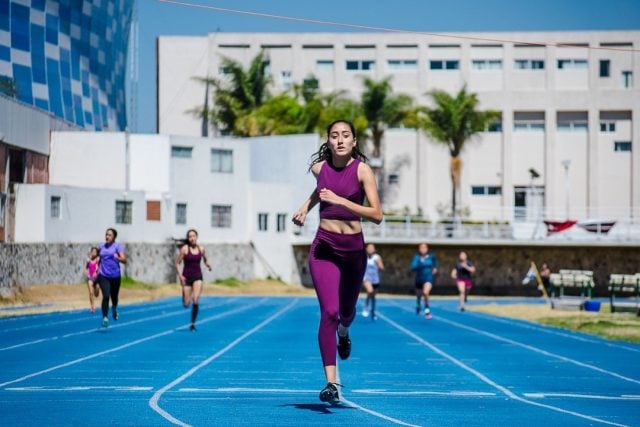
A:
88	159
150	164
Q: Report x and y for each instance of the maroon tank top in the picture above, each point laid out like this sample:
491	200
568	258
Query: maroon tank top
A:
344	183
192	268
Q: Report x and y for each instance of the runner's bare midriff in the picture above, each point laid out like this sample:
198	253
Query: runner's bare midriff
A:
341	226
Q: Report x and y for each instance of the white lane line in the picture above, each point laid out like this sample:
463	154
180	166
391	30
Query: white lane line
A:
81	388
153	402
486	379
81	319
550	330
425	393
582	396
376	414
535	349
539	350
244	390
92	330
120	347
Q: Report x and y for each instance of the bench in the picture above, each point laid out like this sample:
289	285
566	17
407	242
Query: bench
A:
624	293
578	282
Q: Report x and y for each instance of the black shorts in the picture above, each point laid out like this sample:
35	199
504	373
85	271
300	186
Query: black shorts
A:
421	285
189	281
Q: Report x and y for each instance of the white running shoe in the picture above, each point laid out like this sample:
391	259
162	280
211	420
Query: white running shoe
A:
365	313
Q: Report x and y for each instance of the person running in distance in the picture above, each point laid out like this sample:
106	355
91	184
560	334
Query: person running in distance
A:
425	265
191	255
371	280
337	257
91	274
109	276
461	273
545	276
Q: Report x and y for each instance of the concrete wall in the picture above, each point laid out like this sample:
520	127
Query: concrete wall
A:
39	263
500	268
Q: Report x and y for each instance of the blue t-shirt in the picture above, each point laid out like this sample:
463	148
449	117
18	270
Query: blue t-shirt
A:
109	264
424	267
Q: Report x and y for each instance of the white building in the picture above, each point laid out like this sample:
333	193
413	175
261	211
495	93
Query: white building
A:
566	98
153	188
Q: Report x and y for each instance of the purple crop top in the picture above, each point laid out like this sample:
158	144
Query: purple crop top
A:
344	182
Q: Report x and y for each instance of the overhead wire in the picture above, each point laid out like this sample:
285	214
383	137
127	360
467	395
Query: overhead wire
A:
387	29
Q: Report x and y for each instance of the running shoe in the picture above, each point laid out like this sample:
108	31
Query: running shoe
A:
365	313
330	393
344	347
192	327
92	310
461	308
105	322
427	313
114	313
417	309
374	317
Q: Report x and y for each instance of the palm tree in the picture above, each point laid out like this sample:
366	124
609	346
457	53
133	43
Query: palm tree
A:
382	109
241	92
453	122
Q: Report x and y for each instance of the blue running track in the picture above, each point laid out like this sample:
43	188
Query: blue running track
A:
255	361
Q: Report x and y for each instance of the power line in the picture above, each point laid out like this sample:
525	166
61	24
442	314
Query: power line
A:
386	29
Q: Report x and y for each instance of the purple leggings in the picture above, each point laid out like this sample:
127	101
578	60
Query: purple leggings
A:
337	263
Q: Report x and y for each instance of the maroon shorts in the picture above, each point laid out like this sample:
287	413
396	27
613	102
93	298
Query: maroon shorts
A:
468	283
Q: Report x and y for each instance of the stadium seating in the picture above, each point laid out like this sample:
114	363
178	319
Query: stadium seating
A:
571	288
624	292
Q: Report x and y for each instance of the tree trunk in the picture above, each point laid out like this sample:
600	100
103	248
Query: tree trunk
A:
456	166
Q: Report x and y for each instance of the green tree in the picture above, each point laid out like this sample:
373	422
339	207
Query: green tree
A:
382	108
453	121
278	115
242	91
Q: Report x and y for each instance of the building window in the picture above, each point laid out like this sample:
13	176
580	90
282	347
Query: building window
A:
181	213
221	160
402	64
622	146
153	210
286	78
361	65
263	221
529	64
324	65
486	64
224	71
576	64
605	68
393	178
181	152
528	121
221	216
495	126
444	65
607	126
486	190
627	79
55	206
573	125
124	211
281	222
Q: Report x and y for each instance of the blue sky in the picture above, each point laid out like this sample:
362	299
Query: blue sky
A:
156	19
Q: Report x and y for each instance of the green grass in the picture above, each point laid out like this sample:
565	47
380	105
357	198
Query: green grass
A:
131	283
617	327
230	282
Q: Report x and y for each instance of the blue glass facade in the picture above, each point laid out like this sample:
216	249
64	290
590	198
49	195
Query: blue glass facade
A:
68	57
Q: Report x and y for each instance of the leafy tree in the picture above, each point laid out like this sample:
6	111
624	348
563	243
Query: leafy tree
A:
238	94
453	121
382	108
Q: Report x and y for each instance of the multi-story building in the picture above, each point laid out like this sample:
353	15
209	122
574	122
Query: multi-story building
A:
67	58
568	140
62	67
